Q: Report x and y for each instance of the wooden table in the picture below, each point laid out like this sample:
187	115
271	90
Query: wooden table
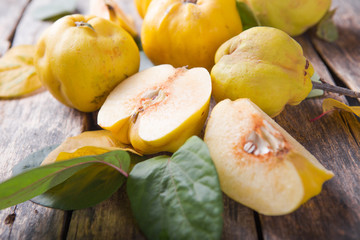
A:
31	123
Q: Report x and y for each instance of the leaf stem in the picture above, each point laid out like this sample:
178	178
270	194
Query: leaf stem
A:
115	167
321	115
335	89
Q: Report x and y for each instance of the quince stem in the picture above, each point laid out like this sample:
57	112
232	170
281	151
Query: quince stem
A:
335	89
84	24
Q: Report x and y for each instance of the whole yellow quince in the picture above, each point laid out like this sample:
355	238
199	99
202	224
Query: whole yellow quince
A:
80	59
264	64
292	16
141	6
188	32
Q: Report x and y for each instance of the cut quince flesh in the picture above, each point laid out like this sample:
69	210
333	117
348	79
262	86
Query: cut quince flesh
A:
159	108
259	164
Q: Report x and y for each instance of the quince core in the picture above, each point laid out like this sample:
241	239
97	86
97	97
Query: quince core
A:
159	108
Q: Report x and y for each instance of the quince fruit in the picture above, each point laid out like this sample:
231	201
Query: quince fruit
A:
259	164
264	64
110	10
293	17
188	32
142	6
159	108
80	59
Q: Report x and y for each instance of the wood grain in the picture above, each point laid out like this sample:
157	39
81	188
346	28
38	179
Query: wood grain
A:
335	213
239	222
111	219
343	56
10	14
27	125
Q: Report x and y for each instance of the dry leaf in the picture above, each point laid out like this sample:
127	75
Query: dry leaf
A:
330	105
85	144
17	72
110	10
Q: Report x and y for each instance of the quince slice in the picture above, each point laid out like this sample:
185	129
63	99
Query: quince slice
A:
159	108
259	164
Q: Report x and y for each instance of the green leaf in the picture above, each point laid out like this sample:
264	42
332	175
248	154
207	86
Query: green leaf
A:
326	28
84	181
177	197
248	18
54	10
315	92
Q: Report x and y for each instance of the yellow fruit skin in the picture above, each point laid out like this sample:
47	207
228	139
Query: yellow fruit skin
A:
80	65
292	16
142	6
186	34
263	64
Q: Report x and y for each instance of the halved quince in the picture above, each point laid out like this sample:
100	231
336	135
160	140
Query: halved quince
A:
259	164
159	108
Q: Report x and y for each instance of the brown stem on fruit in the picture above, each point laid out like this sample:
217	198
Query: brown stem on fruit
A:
110	7
84	24
335	89
190	1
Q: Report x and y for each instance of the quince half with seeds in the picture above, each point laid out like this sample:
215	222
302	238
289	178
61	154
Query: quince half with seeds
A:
159	108
259	164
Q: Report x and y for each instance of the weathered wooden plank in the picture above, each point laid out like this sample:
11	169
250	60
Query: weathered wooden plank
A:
343	56
111	219
27	125
239	222
30	29
335	213
10	14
